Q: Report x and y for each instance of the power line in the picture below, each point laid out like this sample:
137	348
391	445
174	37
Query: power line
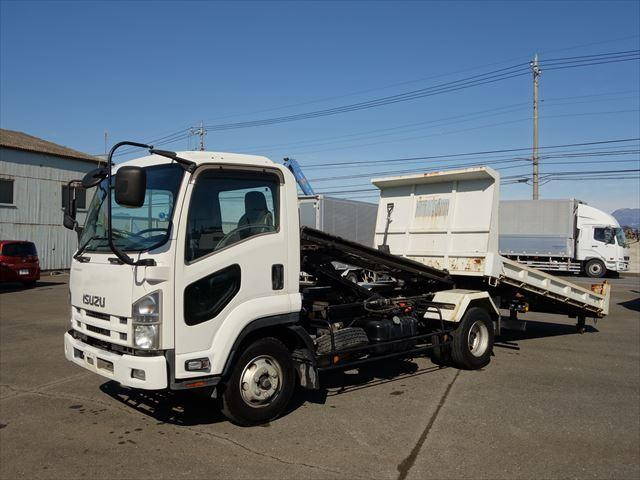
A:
447	87
422	79
468	82
480	161
452	132
489	77
485	152
581	162
467	117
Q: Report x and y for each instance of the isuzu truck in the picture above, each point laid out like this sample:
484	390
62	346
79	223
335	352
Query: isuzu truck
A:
187	275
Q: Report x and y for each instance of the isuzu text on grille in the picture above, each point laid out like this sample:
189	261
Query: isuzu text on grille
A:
93	300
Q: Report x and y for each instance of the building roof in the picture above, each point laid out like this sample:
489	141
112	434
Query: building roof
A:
29	143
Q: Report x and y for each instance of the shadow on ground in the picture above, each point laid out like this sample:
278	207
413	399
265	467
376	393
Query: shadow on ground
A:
189	408
631	304
542	330
16	287
186	408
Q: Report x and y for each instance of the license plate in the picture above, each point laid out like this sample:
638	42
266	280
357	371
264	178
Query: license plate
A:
24	271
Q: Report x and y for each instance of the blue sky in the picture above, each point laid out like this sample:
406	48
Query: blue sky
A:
71	70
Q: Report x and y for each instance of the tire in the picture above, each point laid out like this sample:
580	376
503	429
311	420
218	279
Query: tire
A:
343	338
472	344
29	284
261	384
594	268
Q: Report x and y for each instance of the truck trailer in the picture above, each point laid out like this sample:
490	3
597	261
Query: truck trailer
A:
204	291
562	235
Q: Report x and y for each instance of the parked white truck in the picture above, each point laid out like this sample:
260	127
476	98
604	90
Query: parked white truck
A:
562	235
187	276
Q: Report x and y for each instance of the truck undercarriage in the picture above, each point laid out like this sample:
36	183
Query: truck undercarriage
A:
352	324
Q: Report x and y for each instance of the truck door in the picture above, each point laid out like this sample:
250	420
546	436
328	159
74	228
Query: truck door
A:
598	242
232	252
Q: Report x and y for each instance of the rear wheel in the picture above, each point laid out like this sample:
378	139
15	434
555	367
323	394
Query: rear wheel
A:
261	384
473	340
595	268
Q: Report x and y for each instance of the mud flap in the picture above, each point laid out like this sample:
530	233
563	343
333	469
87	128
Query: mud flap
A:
305	364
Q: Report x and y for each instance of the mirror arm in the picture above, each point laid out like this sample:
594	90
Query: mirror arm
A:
121	255
188	165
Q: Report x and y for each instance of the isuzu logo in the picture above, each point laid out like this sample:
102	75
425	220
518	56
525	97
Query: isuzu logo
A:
93	300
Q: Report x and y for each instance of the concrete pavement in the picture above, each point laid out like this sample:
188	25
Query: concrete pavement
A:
563	406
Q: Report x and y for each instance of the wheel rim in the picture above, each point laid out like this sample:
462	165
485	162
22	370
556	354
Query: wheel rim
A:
261	381
595	269
478	339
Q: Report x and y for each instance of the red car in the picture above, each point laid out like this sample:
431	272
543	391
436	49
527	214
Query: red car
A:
19	262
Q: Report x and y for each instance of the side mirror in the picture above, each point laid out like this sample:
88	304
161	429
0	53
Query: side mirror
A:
69	220
130	186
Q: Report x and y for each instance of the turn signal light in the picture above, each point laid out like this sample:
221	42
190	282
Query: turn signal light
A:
197	365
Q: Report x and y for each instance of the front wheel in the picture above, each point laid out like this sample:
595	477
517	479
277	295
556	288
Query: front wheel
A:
595	268
473	340
261	384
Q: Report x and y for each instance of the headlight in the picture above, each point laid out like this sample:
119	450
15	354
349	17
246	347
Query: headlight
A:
146	336
147	316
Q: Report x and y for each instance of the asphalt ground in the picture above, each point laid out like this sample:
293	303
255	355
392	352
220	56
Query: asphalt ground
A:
562	406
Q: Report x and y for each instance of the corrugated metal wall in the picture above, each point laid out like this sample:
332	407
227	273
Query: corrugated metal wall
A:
36	214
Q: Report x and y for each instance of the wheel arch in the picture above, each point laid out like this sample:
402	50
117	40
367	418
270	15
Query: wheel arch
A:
283	327
461	301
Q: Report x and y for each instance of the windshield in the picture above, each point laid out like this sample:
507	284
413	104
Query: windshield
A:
135	229
620	238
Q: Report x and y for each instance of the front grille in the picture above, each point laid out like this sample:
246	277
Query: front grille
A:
101	331
113	347
101	316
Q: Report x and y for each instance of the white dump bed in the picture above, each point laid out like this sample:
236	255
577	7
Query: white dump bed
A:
449	220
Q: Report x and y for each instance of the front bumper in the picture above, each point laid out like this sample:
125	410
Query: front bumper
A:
117	367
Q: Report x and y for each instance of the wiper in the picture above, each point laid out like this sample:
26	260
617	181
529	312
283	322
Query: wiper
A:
86	244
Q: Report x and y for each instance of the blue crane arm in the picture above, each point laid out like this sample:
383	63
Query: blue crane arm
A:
294	167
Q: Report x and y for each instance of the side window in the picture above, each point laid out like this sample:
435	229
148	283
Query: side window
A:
603	235
207	297
229	207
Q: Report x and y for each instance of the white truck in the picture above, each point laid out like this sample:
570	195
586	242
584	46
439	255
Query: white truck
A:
562	235
187	276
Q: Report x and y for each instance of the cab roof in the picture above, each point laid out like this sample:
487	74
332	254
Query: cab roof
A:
200	158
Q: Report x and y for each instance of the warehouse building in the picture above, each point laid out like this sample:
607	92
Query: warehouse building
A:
33	186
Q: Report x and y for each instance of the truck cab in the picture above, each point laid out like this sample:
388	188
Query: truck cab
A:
601	243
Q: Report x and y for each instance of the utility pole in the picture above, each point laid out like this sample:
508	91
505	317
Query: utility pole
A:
536	75
201	132
106	137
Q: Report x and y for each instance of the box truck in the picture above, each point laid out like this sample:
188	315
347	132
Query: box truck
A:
562	235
